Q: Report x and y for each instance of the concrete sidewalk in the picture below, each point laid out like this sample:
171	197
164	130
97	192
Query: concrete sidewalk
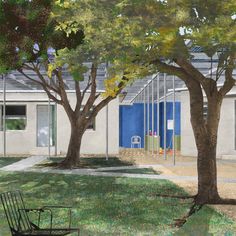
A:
27	165
24	164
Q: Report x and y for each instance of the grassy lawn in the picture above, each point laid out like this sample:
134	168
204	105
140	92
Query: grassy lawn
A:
207	222
114	206
148	171
111	205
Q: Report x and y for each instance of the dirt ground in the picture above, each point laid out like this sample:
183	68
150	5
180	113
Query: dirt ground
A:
187	166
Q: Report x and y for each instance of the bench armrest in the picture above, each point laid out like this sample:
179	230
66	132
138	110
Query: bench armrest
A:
55	206
50	207
37	211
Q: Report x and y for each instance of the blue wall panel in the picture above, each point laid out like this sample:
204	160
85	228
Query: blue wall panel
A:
131	122
169	116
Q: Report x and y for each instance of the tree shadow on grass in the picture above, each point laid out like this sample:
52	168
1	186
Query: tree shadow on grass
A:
207	222
103	205
147	171
89	162
4	161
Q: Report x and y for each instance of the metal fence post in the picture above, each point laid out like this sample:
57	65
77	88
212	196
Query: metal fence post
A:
4	116
173	142
165	157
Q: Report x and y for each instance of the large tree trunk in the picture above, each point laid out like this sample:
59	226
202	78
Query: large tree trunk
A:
206	140
206	145
73	151
205	133
207	172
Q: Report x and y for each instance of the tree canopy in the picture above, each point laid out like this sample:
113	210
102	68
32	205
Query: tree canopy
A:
75	32
24	24
165	30
136	37
163	35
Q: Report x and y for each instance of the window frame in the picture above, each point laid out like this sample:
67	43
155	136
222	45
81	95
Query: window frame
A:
13	117
93	121
53	125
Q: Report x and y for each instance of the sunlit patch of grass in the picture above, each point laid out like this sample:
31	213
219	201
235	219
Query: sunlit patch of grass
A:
108	205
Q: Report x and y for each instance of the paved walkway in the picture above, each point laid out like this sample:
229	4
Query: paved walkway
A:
27	165
24	164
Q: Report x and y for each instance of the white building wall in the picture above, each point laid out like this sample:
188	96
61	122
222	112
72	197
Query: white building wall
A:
188	146
93	141
226	132
22	141
25	141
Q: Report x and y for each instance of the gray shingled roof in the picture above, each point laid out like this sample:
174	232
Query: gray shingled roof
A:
18	82
200	61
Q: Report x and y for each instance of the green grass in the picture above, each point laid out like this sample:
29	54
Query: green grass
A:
207	222
113	206
148	171
89	162
4	161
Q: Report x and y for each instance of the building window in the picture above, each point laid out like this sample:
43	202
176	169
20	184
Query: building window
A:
46	120
92	123
15	117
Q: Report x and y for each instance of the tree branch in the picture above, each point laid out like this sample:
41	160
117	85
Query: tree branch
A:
219	72
63	94
105	101
209	85
44	82
170	69
87	87
51	96
29	78
78	98
229	80
43	87
27	67
92	95
192	71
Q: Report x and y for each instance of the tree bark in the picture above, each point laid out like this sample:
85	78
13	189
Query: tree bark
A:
73	152
205	133
205	130
207	172
207	144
